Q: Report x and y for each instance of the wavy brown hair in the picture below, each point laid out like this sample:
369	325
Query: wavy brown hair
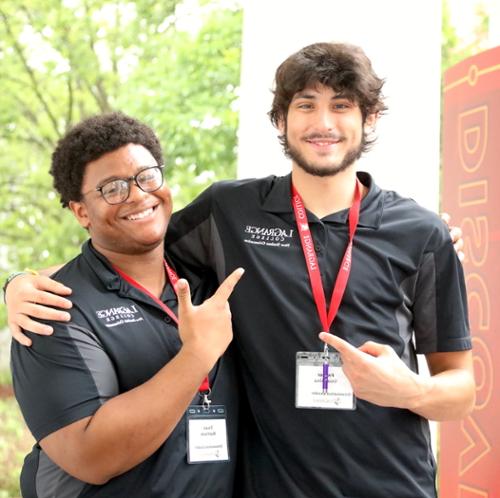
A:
344	68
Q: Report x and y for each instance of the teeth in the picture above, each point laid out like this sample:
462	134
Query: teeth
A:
323	143
139	216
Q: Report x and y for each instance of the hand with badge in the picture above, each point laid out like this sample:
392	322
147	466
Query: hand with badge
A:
321	382
206	332
376	373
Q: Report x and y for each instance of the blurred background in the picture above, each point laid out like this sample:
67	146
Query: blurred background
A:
175	65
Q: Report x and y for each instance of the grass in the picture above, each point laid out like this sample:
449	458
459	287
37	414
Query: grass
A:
15	442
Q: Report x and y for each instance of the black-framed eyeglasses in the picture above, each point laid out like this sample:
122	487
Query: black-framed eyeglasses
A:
117	191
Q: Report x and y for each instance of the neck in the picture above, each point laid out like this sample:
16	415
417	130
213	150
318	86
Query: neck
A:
147	268
325	195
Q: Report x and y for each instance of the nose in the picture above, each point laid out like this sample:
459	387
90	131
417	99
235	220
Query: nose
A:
136	193
326	119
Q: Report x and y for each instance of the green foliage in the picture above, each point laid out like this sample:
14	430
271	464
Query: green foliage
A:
15	443
5	377
453	50
172	64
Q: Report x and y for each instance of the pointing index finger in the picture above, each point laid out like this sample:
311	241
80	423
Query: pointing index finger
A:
343	347
225	289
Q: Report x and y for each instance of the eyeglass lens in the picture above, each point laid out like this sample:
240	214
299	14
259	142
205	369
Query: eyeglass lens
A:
148	180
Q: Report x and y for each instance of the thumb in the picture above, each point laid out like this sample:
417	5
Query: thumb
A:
373	348
183	296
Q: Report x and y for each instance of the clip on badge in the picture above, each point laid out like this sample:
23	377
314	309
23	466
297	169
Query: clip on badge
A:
207	439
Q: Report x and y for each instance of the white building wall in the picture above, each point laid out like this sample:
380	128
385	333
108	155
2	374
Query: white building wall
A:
402	39
493	7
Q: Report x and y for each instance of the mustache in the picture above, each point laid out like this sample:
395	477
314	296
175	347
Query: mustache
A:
329	136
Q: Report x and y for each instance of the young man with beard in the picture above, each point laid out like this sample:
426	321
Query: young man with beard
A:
327	250
106	396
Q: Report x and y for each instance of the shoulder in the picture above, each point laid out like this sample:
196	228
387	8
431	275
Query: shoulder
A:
86	271
76	274
410	218
221	197
247	187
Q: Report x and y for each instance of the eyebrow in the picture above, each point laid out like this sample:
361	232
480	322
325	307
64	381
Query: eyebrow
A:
306	94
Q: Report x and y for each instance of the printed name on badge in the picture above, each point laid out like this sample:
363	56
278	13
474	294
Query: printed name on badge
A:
309	384
207	434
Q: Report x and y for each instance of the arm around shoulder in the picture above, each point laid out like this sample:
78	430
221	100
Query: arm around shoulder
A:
30	296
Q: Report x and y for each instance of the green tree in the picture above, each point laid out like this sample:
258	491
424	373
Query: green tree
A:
173	64
453	49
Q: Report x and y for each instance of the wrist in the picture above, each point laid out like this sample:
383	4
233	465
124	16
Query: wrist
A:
422	388
199	357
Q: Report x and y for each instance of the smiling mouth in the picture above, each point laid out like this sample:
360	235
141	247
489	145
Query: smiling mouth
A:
323	143
141	215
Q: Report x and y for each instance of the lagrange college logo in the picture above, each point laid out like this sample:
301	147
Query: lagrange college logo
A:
268	236
119	315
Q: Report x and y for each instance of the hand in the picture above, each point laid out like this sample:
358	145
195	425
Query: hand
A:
34	296
456	236
377	374
206	330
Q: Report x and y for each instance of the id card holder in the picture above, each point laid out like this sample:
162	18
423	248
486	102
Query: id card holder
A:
310	388
207	434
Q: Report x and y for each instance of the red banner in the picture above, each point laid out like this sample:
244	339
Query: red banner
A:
469	450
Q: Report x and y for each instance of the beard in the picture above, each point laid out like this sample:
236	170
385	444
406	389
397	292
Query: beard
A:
352	155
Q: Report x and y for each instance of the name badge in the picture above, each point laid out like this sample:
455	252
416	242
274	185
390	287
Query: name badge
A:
311	390
207	434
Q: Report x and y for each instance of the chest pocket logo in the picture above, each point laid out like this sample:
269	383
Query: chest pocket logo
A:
267	236
119	315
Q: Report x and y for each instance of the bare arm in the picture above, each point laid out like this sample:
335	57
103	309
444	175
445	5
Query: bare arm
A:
450	392
378	375
130	427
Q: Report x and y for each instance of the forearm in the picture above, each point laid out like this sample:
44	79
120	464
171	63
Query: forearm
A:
379	376
130	427
447	395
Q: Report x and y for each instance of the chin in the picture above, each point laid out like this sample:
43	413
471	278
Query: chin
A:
145	245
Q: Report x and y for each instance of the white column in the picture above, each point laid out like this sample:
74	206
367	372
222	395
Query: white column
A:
494	24
402	39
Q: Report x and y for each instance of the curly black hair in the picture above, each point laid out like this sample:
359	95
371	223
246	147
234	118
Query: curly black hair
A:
343	67
88	141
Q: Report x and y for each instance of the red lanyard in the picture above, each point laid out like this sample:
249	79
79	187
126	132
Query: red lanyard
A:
173	278
312	260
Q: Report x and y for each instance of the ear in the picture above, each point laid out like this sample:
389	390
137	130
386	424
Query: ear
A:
80	211
370	123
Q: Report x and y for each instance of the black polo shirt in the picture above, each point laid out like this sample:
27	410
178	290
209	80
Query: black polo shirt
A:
117	339
406	289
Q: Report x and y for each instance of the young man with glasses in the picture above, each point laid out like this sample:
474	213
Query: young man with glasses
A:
132	396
